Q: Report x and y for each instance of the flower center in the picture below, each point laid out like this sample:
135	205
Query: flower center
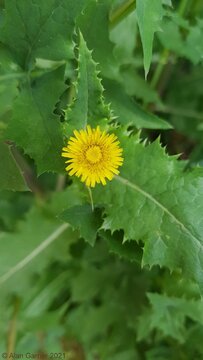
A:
93	154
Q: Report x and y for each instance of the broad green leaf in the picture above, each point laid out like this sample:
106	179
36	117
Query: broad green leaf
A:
168	316
33	126
11	177
26	252
88	107
172	38
153	201
85	220
127	111
149	16
40	29
136	86
193	46
10	74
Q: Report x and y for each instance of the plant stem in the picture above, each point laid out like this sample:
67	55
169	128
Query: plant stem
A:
121	12
60	183
12	329
28	173
159	69
183	7
91	198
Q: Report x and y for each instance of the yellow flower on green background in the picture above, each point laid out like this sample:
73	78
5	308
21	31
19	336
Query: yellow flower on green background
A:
94	156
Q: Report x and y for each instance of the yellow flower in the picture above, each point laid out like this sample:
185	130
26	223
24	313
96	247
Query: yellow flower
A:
93	156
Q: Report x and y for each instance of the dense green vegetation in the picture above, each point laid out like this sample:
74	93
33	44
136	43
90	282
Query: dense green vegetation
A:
122	281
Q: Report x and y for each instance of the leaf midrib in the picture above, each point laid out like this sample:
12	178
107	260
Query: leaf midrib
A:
160	205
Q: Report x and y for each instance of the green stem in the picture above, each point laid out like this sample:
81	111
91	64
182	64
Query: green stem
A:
11	341
159	69
183	7
91	197
121	12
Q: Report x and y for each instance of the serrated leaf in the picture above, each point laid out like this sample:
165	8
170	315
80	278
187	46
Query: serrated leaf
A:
127	111
128	250
168	315
33	126
94	24
88	107
11	177
149	16
46	34
155	202
85	220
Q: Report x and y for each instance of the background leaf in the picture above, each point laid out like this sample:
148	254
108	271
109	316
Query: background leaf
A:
11	177
127	111
149	16
33	126
48	34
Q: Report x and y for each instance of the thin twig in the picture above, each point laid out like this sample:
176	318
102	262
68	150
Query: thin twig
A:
91	198
60	183
121	12
21	264
27	172
12	331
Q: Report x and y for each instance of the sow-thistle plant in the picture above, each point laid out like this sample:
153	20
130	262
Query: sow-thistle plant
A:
94	156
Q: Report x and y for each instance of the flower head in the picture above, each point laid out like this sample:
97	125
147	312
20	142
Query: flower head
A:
93	155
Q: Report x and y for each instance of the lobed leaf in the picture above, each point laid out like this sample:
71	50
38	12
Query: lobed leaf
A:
168	316
46	34
153	201
33	126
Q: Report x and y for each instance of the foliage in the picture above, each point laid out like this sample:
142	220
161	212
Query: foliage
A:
115	273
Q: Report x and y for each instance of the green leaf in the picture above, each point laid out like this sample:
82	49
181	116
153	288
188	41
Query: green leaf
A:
190	46
33	126
128	250
88	107
125	44
167	2
85	220
155	202
193	46
46	34
94	24
11	177
25	252
10	74
149	16
168	316
127	111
